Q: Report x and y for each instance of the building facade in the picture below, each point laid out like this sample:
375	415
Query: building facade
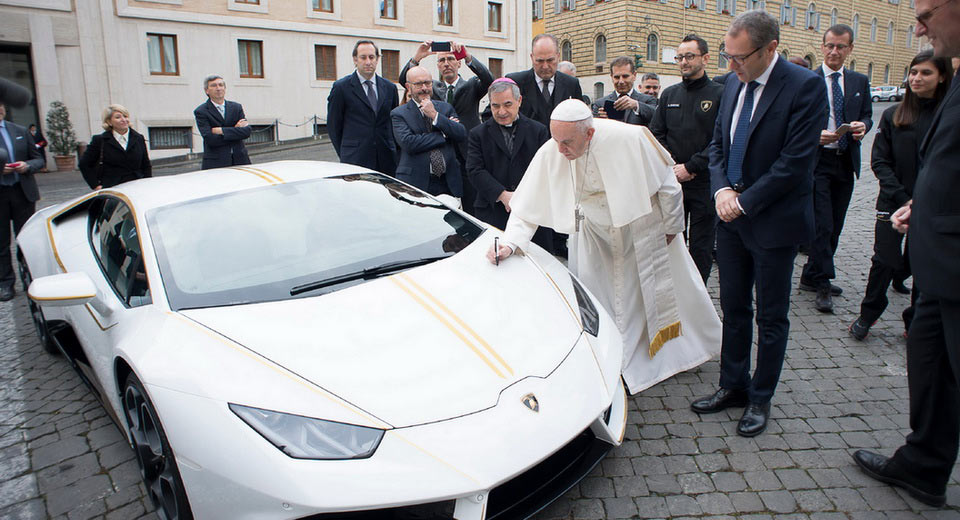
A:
593	32
279	57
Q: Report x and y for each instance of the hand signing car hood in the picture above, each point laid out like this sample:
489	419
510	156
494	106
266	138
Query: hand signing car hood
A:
419	346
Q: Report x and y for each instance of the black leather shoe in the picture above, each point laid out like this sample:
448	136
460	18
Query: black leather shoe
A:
899	287
879	467
719	401
754	419
6	294
824	301
859	329
834	290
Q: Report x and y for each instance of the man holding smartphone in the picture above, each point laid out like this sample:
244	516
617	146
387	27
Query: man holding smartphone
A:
848	94
625	103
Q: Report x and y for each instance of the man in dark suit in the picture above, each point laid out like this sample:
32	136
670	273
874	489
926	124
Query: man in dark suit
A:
922	466
761	158
543	87
358	113
637	108
223	126
498	154
463	95
848	94
19	158
427	132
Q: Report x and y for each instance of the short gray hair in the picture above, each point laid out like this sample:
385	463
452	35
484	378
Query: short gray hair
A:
208	79
649	75
552	38
502	86
567	67
584	124
760	26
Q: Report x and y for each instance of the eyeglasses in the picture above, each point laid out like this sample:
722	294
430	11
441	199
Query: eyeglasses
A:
422	83
838	46
688	56
924	17
739	60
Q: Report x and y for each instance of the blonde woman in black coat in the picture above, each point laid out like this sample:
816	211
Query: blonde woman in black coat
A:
117	155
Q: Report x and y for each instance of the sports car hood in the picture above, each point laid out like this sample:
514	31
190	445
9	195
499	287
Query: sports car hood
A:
424	345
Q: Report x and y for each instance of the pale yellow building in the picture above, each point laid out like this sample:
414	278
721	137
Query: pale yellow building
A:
593	32
279	57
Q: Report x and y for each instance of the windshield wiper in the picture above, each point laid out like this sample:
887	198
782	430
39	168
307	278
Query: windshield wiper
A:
366	274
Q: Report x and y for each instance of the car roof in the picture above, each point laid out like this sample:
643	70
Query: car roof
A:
154	192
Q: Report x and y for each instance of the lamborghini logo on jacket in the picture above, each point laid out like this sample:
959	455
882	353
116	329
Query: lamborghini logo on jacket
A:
705	105
530	401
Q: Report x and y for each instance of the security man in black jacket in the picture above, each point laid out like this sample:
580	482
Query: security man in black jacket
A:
684	124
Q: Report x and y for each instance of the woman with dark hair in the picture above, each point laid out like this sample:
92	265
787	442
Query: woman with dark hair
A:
117	155
895	163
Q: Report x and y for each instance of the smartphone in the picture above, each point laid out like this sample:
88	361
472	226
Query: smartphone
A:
612	113
844	128
440	47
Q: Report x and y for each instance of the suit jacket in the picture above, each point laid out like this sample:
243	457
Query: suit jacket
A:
647	107
360	134
466	93
24	149
534	105
781	152
934	236
222	150
491	168
416	137
119	165
857	106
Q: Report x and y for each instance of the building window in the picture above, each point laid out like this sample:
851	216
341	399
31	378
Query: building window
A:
653	47
910	31
325	6
721	61
445	12
886	74
756	4
537	9
170	137
261	134
813	17
788	14
598	90
390	65
326	59
853	65
600	49
496	67
248	2
890	33
495	16
856	26
388	9
870	72
564	5
162	53
251	58
566	51
873	30
833	17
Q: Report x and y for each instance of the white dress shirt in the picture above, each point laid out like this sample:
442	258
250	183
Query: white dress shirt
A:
757	92
832	121
553	83
121	138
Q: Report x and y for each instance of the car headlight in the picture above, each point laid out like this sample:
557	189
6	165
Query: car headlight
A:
588	312
307	438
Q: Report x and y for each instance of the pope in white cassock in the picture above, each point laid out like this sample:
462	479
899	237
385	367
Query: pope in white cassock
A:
611	186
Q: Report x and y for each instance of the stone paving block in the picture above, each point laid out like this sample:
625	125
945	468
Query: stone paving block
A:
746	502
727	481
812	500
779	501
680	505
59	451
828	477
596	487
652	507
715	503
94	509
712	462
677	464
883	498
795	479
622	507
648	465
745	462
67	472
762	480
29	510
663	484
630	486
79	493
693	483
14	461
776	459
807	459
19	489
588	509
616	467
711	444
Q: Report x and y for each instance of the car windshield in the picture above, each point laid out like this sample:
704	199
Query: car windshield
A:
299	239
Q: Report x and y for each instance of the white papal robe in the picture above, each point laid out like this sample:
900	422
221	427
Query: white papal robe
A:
603	255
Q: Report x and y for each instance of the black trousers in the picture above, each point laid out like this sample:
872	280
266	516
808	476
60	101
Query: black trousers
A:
833	187
743	265
701	216
888	263
933	368
15	209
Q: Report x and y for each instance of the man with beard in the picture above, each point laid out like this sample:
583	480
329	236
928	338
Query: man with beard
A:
684	124
637	108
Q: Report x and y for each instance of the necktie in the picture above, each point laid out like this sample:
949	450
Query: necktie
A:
223	111
546	90
7	143
450	94
838	109
508	137
371	94
739	145
438	166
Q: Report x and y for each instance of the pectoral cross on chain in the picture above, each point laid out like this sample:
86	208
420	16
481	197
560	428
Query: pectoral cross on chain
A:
577	217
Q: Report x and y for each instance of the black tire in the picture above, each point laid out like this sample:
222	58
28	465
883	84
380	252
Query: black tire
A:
876	99
158	466
36	313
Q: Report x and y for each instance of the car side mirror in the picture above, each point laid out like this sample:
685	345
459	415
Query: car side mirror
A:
62	290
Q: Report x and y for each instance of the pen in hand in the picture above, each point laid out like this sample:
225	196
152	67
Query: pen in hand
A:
496	249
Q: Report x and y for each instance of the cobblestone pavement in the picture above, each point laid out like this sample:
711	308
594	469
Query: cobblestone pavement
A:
61	457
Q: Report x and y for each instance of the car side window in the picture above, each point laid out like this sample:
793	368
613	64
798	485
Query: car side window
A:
116	245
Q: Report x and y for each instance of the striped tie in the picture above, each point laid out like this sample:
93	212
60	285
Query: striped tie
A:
838	110
739	145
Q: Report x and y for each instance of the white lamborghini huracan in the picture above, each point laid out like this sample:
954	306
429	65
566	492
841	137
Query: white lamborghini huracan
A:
313	340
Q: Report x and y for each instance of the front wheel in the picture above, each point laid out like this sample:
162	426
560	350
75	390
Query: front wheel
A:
876	98
158	466
36	313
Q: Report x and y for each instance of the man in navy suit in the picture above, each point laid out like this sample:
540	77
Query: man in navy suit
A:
761	161
848	94
543	86
222	125
19	158
358	113
428	132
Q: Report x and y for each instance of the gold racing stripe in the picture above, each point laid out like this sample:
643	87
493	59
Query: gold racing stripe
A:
449	326
243	169
457	319
262	173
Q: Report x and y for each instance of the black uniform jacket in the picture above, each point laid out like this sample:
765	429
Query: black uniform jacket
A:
684	123
895	157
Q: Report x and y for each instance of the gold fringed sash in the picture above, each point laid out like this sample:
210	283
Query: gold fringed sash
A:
666	334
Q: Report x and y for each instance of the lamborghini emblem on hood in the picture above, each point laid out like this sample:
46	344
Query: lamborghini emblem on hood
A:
530	401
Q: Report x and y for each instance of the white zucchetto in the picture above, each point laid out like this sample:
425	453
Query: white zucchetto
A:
571	110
